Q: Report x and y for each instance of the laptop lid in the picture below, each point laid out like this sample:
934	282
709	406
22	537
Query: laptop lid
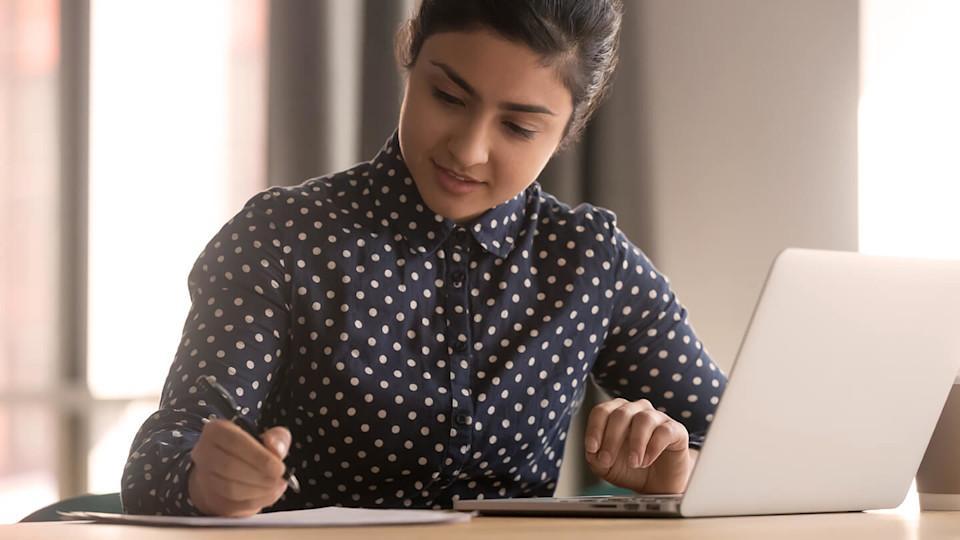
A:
839	382
837	387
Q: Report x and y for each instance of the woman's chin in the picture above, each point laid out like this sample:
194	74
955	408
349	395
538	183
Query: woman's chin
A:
455	212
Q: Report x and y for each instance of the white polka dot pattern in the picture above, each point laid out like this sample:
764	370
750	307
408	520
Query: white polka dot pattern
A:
415	361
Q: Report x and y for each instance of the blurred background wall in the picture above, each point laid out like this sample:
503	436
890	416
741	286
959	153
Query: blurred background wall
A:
131	130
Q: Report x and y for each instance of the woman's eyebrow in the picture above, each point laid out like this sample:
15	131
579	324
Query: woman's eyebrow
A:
507	106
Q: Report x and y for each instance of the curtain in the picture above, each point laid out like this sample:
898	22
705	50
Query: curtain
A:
334	86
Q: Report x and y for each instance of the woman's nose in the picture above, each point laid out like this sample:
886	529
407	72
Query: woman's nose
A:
469	145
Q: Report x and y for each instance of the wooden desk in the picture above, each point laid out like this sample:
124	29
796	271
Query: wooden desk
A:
853	526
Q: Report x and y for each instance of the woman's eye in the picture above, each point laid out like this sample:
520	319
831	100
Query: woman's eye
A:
445	97
525	133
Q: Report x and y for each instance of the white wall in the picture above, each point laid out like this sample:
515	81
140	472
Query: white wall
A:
750	109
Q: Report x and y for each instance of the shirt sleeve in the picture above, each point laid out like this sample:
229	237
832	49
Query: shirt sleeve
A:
651	351
235	331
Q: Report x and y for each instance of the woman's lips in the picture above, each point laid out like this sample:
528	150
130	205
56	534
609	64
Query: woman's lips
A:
454	183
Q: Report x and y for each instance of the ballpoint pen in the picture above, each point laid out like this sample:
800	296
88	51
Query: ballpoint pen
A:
229	408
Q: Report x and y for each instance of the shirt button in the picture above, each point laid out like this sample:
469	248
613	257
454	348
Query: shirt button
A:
460	346
458	278
463	419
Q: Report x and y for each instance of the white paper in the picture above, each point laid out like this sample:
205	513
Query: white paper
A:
331	516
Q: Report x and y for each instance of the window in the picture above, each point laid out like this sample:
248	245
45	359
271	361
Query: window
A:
176	146
909	110
30	247
909	113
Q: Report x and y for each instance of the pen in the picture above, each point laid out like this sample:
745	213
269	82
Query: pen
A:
229	408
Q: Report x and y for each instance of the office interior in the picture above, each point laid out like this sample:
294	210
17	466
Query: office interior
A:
131	130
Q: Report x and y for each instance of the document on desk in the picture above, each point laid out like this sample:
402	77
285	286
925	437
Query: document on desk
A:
331	516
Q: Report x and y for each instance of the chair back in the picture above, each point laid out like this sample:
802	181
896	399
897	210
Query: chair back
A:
107	502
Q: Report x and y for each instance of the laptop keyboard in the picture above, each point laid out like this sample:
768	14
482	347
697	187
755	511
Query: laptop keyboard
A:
625	498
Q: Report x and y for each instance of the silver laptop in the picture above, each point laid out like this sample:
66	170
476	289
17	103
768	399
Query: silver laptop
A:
835	392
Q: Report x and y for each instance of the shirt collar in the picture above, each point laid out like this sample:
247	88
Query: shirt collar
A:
398	202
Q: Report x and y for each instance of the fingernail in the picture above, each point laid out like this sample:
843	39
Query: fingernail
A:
281	448
605	459
592	445
634	460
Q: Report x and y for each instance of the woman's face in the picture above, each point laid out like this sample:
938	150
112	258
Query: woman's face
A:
480	119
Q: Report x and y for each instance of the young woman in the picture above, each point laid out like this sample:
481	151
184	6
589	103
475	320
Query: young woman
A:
421	328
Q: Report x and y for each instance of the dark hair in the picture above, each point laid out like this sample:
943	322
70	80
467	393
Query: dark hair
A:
579	37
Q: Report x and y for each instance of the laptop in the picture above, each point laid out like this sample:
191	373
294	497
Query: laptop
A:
835	392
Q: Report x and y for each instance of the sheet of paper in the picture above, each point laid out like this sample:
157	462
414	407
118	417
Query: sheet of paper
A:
316	517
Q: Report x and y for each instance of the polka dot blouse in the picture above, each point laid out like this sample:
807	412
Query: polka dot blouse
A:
416	361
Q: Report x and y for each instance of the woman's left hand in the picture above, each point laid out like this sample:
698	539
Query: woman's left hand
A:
632	445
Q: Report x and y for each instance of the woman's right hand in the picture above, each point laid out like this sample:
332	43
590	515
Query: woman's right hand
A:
233	474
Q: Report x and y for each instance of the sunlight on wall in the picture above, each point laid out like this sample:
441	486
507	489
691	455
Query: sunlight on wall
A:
109	452
910	128
177	145
158	165
21	494
910	135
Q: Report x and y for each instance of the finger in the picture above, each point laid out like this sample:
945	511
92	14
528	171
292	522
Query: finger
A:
670	435
239	472
234	490
277	439
231	495
226	508
597	424
210	457
617	430
642	427
232	440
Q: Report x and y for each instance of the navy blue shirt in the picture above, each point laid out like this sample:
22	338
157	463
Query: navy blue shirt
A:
416	361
